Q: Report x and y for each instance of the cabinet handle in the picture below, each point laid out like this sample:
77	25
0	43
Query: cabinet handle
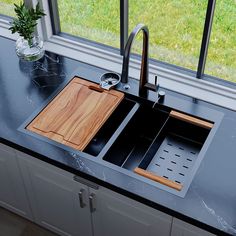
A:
92	202
81	198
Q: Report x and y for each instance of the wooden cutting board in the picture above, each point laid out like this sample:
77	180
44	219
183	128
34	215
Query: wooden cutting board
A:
76	114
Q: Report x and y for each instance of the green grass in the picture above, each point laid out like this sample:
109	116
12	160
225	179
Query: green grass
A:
90	19
175	29
222	50
7	7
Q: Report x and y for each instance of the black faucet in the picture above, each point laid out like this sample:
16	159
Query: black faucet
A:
144	86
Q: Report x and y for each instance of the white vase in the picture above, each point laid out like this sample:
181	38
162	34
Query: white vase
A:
32	52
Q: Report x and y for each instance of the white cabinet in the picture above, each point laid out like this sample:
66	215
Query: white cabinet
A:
68	207
118	215
58	203
71	206
181	228
12	189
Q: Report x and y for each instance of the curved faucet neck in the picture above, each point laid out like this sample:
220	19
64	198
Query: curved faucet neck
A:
127	51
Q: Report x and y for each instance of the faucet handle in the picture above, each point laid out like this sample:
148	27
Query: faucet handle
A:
155	79
152	87
155	83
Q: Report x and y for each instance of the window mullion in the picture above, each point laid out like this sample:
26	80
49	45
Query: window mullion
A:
28	3
206	38
55	19
124	24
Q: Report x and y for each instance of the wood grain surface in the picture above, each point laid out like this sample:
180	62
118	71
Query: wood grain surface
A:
192	120
158	178
76	114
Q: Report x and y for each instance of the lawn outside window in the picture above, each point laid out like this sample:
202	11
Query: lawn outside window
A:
221	59
7	7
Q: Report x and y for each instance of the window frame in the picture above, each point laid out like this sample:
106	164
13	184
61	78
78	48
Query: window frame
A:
206	38
175	78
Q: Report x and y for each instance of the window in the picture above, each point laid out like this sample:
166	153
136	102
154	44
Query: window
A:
175	29
7	7
221	59
91	19
180	31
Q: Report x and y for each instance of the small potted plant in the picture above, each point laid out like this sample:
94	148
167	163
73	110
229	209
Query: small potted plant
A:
28	46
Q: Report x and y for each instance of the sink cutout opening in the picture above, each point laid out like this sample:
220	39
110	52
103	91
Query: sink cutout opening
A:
173	153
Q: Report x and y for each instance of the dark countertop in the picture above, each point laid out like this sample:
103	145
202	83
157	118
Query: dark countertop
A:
210	202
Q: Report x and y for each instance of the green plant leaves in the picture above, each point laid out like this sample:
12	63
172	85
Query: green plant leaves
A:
26	21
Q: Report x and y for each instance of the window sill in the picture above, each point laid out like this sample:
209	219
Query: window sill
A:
4	31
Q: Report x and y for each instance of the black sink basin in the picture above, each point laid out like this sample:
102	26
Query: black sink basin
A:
174	151
132	144
164	147
125	108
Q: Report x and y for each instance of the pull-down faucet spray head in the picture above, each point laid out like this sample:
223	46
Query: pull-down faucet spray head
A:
143	83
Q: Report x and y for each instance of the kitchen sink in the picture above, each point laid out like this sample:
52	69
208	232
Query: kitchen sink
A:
164	147
157	145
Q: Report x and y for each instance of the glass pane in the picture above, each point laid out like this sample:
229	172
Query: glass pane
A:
7	7
175	28
221	60
91	19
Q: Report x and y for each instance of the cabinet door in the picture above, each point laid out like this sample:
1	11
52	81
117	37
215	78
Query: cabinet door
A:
12	189
181	228
117	215
58	202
